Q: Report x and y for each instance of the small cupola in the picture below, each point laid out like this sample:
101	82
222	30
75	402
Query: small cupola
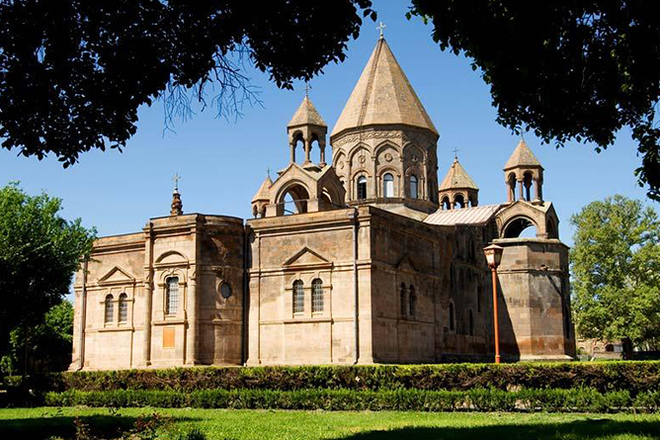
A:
457	189
523	170
307	126
176	208
261	198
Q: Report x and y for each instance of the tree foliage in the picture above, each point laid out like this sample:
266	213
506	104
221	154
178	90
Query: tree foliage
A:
615	265
39	252
578	70
45	347
73	73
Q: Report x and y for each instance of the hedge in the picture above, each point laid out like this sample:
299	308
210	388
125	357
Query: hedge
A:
634	377
477	399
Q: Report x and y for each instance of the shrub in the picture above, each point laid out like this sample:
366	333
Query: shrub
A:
479	399
634	377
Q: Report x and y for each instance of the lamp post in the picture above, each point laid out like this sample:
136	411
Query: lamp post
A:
493	255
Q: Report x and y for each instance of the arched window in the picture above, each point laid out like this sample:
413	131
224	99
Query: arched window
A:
388	185
172	295
109	310
225	290
403	300
413	187
123	307
446	205
361	188
298	297
459	201
412	301
471	322
317	295
452	318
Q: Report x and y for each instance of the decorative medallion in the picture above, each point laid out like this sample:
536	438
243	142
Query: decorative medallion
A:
340	165
362	159
388	157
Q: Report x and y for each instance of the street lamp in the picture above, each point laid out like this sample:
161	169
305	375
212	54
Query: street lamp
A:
493	255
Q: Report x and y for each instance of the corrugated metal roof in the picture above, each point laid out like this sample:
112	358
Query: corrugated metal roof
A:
463	216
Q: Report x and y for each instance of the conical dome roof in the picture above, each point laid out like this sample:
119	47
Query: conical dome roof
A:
306	115
457	177
522	156
263	193
383	96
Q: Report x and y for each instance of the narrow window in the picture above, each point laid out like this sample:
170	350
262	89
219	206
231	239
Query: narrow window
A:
388	185
225	290
412	302
471	319
109	310
452	322
413	187
480	294
123	307
362	188
403	300
172	296
317	295
298	297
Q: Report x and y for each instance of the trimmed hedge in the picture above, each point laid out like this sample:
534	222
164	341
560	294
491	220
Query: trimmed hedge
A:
631	376
477	399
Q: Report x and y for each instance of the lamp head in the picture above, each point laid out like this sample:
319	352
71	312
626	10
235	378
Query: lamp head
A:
493	255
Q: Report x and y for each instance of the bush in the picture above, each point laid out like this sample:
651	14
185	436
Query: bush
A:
634	377
478	399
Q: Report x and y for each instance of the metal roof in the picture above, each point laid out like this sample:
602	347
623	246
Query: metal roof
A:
463	216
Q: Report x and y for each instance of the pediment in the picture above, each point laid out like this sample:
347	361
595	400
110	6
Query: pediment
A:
306	257
406	264
117	275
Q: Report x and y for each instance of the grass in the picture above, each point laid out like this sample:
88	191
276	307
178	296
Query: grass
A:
40	423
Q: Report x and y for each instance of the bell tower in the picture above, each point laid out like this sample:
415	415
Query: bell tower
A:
307	126
521	171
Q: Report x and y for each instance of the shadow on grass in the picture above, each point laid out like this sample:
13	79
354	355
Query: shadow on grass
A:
102	426
592	429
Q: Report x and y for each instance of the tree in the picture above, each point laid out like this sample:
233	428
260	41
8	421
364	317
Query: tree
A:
45	347
39	252
73	73
615	268
577	70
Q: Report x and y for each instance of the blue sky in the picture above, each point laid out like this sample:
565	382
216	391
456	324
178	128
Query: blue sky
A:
222	163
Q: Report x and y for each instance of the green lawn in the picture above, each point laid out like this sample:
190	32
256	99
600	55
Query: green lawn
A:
40	423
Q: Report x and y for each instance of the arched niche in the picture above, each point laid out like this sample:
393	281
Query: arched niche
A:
292	199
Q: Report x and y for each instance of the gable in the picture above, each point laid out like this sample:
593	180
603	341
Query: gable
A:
117	275
406	265
306	257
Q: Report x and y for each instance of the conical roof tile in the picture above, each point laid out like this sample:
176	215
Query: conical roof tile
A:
522	156
263	193
307	115
457	177
383	96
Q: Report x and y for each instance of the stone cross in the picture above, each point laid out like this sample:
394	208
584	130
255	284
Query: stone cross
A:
381	27
307	89
455	153
268	171
176	179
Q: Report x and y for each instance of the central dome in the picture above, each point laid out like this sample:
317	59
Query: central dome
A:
382	96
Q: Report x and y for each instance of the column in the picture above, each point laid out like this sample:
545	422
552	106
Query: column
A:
308	150
521	188
148	296
537	187
293	151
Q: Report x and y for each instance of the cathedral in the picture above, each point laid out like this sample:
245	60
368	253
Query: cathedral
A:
362	257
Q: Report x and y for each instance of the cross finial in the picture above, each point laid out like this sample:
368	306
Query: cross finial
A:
307	89
268	172
176	179
455	153
381	27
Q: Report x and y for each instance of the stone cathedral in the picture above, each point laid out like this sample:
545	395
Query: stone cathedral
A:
362	257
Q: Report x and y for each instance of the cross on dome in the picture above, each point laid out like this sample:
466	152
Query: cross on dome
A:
381	27
176	179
